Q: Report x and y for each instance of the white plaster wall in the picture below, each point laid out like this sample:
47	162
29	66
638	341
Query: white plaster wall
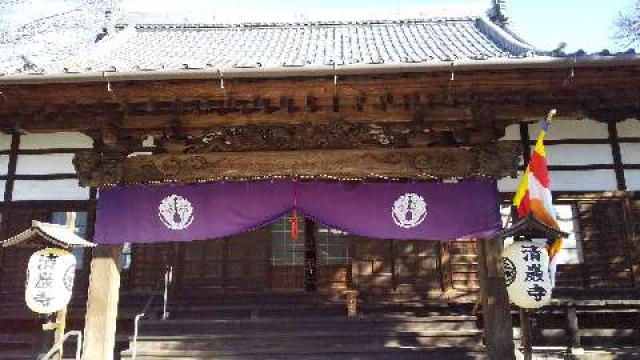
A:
629	128
4	164
588	180
55	140
512	132
630	153
509	184
632	178
578	154
572	129
45	164
49	190
5	141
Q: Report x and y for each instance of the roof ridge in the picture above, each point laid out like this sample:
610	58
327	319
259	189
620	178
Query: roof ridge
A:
298	23
505	37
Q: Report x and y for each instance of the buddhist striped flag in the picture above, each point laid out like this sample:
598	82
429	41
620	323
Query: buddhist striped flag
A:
534	195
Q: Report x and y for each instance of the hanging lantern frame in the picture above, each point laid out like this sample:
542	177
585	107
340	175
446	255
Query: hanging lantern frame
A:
526	229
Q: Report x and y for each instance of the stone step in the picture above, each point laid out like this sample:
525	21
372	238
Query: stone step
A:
24	355
16	342
17	355
271	310
283	313
361	324
469	353
308	342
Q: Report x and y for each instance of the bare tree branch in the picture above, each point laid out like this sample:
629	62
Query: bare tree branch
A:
628	26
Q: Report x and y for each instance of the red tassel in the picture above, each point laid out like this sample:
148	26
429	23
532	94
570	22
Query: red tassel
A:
294	226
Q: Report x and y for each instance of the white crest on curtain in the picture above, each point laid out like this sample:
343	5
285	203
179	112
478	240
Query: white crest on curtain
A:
409	210
175	212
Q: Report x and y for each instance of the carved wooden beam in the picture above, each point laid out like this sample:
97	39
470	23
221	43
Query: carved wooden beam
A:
335	135
504	106
102	169
487	81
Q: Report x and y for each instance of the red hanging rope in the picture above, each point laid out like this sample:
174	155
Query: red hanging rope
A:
294	225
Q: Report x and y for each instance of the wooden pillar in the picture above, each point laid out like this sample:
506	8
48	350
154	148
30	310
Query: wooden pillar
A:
444	262
310	255
496	314
8	193
61	322
526	336
573	329
102	303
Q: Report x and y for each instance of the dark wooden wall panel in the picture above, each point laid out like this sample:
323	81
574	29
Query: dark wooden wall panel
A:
333	276
13	272
148	263
633	229
372	268
381	266
416	266
464	265
605	244
247	260
286	277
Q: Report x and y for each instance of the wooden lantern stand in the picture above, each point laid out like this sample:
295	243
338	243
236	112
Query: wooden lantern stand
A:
526	229
39	236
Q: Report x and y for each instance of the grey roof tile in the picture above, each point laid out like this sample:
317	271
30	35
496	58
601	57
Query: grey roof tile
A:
223	46
300	44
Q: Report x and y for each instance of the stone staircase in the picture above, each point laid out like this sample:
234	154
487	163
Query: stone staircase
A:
306	326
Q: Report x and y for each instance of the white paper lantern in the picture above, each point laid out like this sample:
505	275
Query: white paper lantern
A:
526	270
50	277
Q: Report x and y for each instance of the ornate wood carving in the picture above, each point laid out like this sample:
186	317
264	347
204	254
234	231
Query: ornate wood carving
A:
497	161
335	135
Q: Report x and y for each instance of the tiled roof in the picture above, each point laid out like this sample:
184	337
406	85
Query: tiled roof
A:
272	45
63	46
36	35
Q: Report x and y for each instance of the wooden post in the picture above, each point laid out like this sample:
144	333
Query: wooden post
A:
61	322
444	259
102	303
310	255
61	316
352	303
496	313
573	330
525	334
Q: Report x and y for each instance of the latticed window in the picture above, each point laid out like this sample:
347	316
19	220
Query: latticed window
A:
332	246
285	250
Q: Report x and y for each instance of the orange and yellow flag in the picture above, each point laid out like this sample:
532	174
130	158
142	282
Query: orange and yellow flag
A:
534	194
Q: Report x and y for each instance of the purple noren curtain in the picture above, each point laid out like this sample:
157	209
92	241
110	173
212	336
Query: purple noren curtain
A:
422	211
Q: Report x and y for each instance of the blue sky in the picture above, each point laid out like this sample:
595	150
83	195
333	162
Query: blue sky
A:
582	24
586	24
